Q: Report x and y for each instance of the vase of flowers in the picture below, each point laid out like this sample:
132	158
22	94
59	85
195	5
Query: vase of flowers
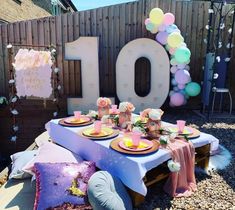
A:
125	110
154	121
103	104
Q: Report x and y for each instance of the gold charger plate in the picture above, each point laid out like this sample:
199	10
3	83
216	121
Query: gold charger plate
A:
193	134
73	120
63	123
104	132
113	135
115	145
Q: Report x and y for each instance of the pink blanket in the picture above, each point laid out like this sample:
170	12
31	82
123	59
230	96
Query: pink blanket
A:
182	183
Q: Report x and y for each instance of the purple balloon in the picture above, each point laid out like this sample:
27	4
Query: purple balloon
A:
181	86
182	76
162	37
177	99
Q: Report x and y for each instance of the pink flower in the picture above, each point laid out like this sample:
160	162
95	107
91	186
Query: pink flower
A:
103	102
126	107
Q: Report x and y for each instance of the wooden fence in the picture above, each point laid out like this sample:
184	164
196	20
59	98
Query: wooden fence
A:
115	26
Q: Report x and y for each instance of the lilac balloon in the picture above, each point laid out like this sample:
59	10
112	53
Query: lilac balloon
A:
173	69
187	67
181	86
176	89
162	37
162	27
182	76
181	66
177	99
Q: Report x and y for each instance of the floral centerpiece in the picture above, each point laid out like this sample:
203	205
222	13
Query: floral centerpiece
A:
125	109
154	121
103	104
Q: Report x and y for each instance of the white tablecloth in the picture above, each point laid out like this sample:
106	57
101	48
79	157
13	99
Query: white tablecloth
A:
129	168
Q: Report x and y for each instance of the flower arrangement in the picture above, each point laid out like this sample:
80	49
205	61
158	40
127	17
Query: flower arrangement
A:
103	102
31	59
3	100
126	107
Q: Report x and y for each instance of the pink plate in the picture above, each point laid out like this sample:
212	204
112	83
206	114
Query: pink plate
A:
145	141
72	120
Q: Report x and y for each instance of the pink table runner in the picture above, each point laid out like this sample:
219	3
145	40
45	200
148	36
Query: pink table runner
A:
182	183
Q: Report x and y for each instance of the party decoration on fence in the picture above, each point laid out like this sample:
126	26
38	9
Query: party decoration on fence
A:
169	35
30	75
33	73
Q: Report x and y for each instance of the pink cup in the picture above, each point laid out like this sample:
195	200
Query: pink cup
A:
77	115
180	125
97	126
135	136
114	108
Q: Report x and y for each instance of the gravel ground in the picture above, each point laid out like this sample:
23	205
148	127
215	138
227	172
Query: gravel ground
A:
216	190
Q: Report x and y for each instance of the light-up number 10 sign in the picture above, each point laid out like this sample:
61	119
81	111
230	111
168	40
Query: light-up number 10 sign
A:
86	50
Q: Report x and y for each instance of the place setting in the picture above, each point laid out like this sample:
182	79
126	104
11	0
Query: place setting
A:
181	130
77	120
134	143
99	132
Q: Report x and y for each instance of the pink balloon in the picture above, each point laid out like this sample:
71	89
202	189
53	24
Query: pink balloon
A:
162	37
169	19
162	27
147	21
177	99
173	69
172	51
182	76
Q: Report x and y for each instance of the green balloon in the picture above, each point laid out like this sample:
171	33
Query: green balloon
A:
192	89
182	54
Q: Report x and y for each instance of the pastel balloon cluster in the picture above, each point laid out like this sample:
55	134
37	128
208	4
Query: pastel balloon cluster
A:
168	34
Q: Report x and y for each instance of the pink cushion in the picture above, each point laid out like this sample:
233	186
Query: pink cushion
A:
52	153
53	181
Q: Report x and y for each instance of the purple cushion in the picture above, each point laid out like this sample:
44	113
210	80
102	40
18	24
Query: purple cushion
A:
54	179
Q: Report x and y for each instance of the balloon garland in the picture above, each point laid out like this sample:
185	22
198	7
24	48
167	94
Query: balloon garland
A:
168	34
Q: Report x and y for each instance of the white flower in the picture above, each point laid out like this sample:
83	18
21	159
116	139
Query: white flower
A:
220	45
13	138
53	51
137	129
230	30
227	59
230	45
218	59
105	119
9	46
123	106
55	114
59	87
155	114
92	113
11	81
164	139
14	112
56	70
205	41
54	100
215	76
173	136
15	128
210	11
14	99
207	27
222	25
173	166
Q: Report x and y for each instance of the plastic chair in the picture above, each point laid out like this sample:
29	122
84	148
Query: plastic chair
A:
222	91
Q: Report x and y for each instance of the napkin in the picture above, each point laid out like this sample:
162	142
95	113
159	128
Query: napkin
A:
183	182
